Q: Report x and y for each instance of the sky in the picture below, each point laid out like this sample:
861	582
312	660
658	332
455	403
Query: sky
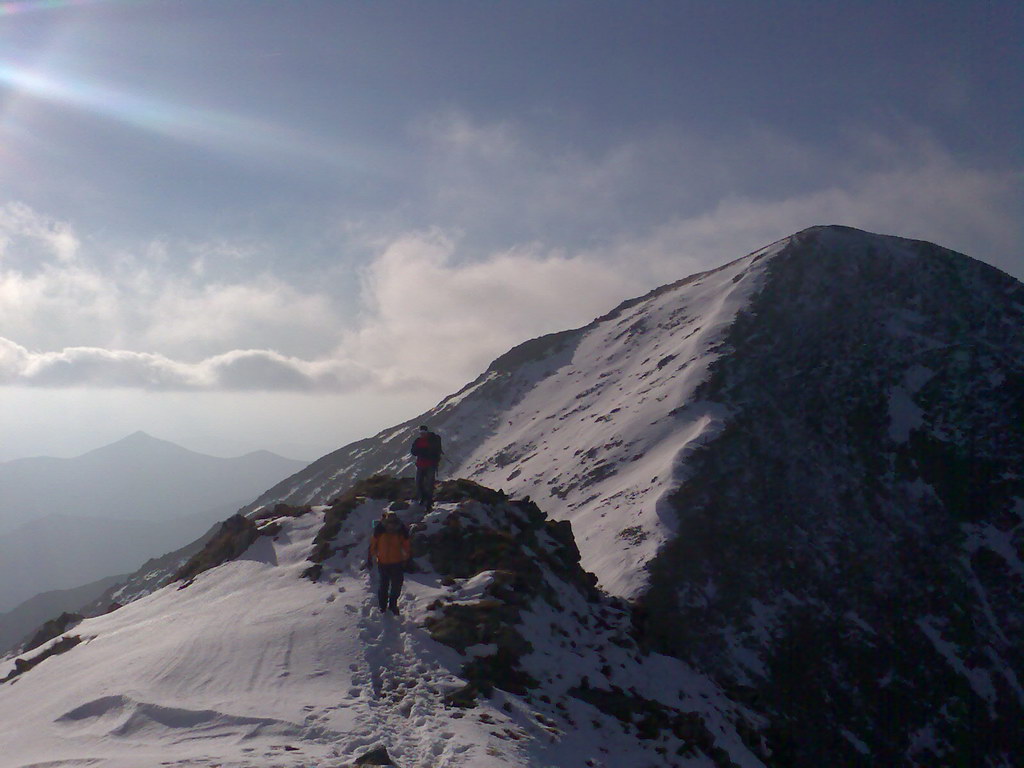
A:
286	225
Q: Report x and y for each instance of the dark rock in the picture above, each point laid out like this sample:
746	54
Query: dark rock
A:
63	645
450	491
464	697
235	536
376	756
810	510
281	510
51	629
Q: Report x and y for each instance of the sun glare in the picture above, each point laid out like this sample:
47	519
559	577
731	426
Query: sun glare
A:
33	6
214	129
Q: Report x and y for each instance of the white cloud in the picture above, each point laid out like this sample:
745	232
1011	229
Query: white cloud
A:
154	300
431	309
432	319
962	208
262	370
495	176
188	319
25	233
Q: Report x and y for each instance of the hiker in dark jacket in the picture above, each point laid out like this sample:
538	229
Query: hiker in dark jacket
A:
391	548
427	450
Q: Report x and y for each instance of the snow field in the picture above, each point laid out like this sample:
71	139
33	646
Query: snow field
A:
252	666
579	434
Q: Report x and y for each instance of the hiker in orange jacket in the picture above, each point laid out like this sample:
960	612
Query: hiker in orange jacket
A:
391	548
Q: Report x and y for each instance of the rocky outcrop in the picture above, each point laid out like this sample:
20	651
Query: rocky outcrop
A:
531	628
393	489
235	536
22	665
51	629
376	756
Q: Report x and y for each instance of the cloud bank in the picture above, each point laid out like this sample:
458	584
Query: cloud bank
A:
431	307
236	370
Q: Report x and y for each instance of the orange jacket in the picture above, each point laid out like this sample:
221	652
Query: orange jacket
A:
389	548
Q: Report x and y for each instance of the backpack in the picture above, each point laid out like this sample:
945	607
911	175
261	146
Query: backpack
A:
427	446
434	445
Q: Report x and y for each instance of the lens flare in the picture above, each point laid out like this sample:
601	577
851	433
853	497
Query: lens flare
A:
210	128
18	7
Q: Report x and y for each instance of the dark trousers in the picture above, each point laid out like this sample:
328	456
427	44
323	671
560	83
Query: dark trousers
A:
391	577
425	479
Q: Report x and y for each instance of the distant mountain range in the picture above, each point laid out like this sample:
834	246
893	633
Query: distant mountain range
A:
68	522
137	478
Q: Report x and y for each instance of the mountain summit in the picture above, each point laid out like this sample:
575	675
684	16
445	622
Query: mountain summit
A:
803	466
800	473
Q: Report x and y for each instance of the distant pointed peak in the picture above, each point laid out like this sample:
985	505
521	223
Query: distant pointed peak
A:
142	438
135	442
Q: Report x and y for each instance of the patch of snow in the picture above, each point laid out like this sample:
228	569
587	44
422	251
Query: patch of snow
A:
854	618
458	397
859	745
979	679
1000	542
904	415
473	589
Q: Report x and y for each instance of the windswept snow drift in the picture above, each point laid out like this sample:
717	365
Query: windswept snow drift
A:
250	664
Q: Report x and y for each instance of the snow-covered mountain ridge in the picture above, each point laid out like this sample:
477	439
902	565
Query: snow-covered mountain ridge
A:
583	421
504	655
820	440
801	472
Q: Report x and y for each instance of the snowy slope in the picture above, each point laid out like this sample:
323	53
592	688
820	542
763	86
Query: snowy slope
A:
250	664
585	422
805	469
602	439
